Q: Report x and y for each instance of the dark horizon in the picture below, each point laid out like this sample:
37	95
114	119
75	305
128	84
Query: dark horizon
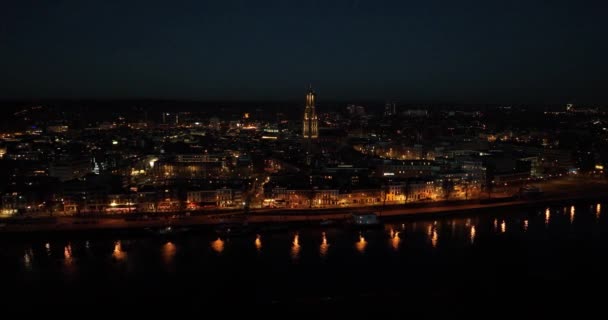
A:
373	104
478	52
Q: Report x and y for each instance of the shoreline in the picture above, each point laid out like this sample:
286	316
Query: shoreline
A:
312	217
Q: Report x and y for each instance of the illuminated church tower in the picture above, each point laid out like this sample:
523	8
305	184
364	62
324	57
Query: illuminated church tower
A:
311	123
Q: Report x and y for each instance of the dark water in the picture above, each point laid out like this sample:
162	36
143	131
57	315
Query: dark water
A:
538	261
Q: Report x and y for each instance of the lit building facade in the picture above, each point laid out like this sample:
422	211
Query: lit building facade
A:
311	123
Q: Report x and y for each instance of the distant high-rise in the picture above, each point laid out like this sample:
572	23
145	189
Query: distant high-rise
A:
311	123
355	110
390	109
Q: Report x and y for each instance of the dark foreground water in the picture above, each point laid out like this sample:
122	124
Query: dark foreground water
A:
544	261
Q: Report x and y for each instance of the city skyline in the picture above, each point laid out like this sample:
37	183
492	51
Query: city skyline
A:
381	157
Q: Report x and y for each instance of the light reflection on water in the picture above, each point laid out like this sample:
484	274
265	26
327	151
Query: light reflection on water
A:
472	234
258	242
218	245
405	256
324	245
168	252
67	255
464	232
361	244
572	212
27	258
295	247
118	253
434	238
395	239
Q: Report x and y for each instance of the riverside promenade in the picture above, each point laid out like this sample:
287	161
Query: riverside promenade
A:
556	192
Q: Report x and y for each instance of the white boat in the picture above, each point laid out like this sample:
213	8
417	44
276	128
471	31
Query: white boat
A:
369	219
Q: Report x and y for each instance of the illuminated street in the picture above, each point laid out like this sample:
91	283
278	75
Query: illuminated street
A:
304	159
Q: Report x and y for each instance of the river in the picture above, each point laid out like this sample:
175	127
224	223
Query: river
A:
517	261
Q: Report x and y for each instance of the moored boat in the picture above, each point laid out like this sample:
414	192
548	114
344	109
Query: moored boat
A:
365	220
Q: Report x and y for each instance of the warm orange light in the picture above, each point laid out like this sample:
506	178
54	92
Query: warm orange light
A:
572	211
118	254
434	238
503	226
395	240
258	242
361	244
598	210
324	245
547	215
168	251
526	225
472	234
295	248
217	245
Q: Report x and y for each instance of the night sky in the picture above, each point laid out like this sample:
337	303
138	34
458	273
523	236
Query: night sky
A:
408	51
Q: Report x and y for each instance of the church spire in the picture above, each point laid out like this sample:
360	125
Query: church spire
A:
310	97
310	126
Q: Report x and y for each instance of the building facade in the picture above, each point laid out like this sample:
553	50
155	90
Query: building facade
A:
310	128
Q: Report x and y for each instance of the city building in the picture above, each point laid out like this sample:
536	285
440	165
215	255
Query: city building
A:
310	128
390	109
70	168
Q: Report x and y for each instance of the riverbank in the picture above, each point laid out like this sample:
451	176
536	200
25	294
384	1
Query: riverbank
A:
302	217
